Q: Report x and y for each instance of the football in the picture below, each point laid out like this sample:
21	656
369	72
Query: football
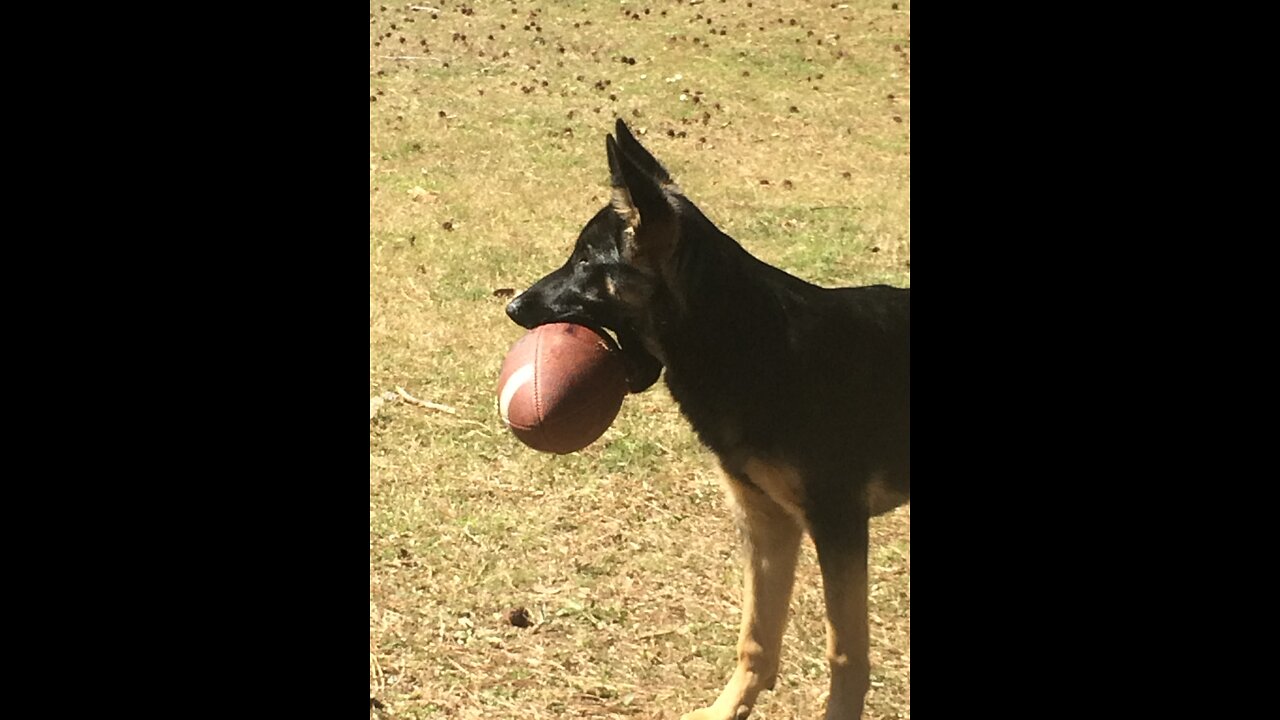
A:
560	388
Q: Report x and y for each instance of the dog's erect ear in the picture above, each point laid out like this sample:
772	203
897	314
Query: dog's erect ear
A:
618	179
641	201
643	158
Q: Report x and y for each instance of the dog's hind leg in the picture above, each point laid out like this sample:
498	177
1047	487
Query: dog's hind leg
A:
842	554
772	543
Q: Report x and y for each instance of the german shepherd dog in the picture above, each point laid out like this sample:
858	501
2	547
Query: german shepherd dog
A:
802	392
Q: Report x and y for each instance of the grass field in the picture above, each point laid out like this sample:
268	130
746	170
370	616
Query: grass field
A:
788	123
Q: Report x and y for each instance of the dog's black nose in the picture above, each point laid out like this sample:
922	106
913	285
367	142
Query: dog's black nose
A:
513	310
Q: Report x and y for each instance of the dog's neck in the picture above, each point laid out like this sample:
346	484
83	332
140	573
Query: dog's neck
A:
707	285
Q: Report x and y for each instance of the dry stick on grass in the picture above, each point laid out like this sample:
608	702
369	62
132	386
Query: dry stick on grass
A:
378	401
658	633
409	57
459	668
413	300
379	677
429	405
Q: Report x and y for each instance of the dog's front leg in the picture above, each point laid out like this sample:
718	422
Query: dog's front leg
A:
772	543
842	555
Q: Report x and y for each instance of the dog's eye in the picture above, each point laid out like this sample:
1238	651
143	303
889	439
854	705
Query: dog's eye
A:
582	260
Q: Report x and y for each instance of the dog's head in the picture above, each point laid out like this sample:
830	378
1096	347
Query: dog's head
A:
617	263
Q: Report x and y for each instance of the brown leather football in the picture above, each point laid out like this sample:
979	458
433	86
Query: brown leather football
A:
561	387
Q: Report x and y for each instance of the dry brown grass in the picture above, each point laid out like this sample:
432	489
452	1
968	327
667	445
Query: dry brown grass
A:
623	554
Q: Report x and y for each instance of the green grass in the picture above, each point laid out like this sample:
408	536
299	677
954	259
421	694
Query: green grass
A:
624	554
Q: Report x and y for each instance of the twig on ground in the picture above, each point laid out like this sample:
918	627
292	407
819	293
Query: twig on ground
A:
423	403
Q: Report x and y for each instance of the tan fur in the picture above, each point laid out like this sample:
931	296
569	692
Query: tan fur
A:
630	249
781	482
772	544
625	207
645	246
844	581
769	511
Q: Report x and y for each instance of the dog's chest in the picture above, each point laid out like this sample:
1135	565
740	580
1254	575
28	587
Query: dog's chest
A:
716	409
